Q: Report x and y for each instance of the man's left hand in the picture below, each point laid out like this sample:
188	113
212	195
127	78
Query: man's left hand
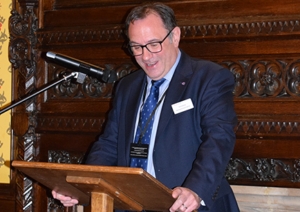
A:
186	200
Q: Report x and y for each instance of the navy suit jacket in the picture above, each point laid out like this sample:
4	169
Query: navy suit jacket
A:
192	148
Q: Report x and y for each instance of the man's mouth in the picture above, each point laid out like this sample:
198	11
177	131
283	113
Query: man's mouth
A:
151	64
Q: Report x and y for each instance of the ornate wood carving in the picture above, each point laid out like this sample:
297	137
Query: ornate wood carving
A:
265	78
262	170
225	31
242	30
70	124
73	36
91	87
22	55
268	127
65	157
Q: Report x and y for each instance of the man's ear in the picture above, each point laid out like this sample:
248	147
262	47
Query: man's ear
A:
176	36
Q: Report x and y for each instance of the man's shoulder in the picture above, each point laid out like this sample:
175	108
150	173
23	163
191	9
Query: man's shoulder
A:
204	70
199	63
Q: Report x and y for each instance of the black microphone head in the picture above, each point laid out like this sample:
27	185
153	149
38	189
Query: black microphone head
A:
109	76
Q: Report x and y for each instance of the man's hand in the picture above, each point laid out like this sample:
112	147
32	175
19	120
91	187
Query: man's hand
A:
65	200
186	200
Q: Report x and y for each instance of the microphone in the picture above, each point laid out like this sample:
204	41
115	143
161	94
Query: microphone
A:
83	67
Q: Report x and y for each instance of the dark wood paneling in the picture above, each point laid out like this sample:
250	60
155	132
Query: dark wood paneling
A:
7	205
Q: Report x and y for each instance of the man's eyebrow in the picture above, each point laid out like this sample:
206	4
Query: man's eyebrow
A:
133	43
150	41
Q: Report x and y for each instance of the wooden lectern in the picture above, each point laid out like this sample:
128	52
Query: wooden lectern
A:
107	187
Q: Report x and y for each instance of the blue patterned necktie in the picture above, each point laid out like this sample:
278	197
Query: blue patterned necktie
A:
145	114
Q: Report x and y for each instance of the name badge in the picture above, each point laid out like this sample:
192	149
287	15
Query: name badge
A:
139	150
182	106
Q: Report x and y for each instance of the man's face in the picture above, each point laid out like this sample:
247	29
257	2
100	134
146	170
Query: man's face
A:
151	29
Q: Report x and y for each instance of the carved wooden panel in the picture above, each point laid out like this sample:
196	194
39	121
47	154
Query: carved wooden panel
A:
22	55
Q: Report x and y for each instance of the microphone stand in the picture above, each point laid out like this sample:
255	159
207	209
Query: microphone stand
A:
77	75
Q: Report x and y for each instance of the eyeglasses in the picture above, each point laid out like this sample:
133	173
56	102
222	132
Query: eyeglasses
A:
153	47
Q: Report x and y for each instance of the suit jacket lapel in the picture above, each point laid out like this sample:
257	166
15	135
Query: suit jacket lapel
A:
175	91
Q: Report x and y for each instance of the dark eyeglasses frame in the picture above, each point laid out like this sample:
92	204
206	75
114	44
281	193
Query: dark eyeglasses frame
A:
145	46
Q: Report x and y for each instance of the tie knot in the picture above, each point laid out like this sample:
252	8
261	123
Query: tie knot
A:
158	82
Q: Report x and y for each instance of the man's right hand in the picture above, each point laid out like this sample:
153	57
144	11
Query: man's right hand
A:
65	200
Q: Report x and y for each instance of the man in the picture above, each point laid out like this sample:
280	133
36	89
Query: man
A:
192	135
